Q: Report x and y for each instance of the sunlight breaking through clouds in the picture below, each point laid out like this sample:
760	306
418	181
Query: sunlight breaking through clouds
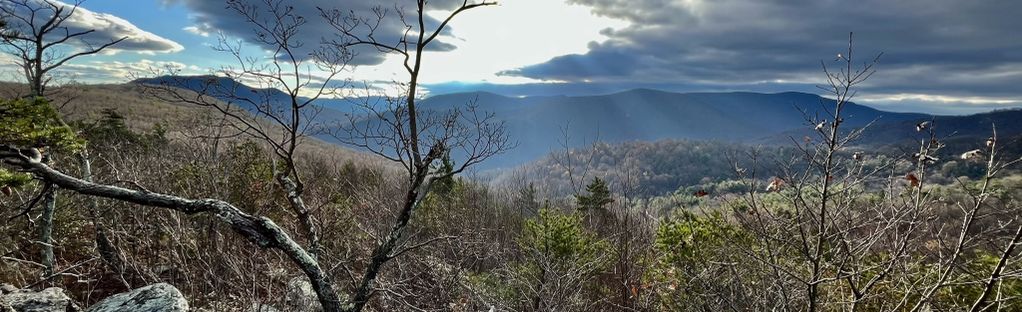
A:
482	44
944	48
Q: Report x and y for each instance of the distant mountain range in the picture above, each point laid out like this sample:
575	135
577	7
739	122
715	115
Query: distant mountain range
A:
539	124
229	90
649	115
1008	123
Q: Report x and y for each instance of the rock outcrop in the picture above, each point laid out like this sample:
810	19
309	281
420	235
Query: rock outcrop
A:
160	297
52	299
301	297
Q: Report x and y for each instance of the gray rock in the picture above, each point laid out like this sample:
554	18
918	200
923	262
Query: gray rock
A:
301	297
51	299
7	288
160	297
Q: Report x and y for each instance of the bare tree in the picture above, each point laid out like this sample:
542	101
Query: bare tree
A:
824	161
997	274
41	43
844	228
963	239
282	122
394	128
39	39
839	240
576	176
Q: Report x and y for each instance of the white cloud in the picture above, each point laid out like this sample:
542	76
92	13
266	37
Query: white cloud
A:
107	27
493	39
100	71
121	72
974	100
513	34
202	30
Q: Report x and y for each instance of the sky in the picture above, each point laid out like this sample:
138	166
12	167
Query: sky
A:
939	56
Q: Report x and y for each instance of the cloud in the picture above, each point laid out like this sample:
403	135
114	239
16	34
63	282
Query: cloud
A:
214	16
201	30
948	48
941	107
945	105
100	71
106	28
121	72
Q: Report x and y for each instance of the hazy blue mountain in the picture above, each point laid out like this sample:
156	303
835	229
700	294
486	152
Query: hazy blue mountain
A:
948	127
229	90
958	132
538	124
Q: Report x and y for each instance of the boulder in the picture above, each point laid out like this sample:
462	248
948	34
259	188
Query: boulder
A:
160	297
51	299
301	297
7	288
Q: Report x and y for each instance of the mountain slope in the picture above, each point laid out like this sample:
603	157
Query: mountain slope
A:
180	121
969	126
538	123
968	131
234	92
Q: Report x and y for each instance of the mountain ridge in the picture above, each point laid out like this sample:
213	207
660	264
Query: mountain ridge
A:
540	124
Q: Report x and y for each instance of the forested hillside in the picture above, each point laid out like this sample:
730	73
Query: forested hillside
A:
646	169
540	124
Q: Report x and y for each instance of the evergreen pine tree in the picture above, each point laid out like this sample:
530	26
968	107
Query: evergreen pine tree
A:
597	199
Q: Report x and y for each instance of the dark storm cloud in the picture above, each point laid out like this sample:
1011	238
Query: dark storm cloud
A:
214	16
106	27
946	47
